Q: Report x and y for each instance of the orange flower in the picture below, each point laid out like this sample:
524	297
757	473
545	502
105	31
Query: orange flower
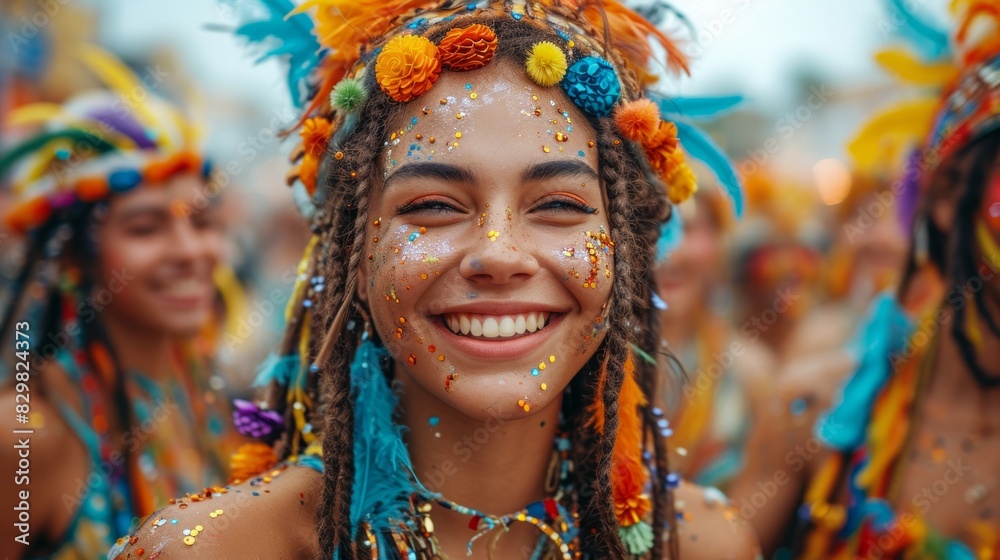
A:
468	48
660	146
631	505
308	172
250	460
315	134
407	67
638	120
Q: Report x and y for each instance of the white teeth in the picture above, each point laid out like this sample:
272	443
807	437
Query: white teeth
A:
496	326
506	326
491	329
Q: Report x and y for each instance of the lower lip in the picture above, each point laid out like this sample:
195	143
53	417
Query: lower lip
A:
499	349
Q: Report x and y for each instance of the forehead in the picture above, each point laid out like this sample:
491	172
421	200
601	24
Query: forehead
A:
184	189
490	119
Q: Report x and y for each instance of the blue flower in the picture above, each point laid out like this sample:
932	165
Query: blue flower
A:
592	84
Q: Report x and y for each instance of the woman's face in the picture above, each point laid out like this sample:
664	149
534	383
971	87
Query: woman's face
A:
489	256
156	254
684	279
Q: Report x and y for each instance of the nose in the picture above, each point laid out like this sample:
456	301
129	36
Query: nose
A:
499	259
190	243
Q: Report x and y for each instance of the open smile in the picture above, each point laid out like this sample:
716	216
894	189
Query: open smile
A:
498	337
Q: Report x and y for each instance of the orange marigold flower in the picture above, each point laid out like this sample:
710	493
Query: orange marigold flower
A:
407	67
250	460
467	48
631	505
638	120
315	134
308	172
660	146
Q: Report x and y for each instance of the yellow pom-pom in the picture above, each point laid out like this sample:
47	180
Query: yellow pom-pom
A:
680	179
546	64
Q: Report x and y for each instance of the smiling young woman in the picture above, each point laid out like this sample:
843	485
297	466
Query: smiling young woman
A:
479	287
113	299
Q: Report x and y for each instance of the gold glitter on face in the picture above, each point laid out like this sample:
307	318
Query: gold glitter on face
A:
430	243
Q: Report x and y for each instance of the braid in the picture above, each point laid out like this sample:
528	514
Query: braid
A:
348	210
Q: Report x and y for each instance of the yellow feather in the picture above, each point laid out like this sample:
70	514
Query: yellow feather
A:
35	113
910	70
120	78
884	141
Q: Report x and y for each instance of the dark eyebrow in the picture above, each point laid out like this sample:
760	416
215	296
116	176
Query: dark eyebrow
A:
153	210
431	170
556	170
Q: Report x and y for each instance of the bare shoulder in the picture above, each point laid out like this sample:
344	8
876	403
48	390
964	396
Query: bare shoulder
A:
710	528
269	516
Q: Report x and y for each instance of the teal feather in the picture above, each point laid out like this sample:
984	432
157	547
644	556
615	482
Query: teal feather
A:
281	369
671	235
931	41
699	146
383	474
296	42
884	335
701	107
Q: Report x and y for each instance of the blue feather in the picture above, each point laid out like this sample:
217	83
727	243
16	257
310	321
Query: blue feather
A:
383	474
671	235
931	41
701	107
698	145
295	40
274	368
884	335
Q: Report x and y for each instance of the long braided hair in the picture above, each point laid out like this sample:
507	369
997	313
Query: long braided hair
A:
637	206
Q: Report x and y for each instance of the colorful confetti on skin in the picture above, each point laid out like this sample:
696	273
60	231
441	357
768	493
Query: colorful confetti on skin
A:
434	420
600	242
493	235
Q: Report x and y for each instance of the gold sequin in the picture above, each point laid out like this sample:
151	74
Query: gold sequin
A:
189	540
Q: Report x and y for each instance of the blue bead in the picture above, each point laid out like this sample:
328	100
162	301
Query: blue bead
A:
124	180
534	371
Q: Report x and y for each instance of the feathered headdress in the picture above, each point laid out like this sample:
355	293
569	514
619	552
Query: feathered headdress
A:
94	145
954	96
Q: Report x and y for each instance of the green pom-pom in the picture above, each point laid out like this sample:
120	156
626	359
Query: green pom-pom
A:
638	538
348	95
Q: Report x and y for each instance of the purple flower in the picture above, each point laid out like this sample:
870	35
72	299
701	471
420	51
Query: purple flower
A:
252	421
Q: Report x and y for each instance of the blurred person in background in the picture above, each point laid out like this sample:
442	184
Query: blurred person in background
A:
112	316
728	379
903	462
778	261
